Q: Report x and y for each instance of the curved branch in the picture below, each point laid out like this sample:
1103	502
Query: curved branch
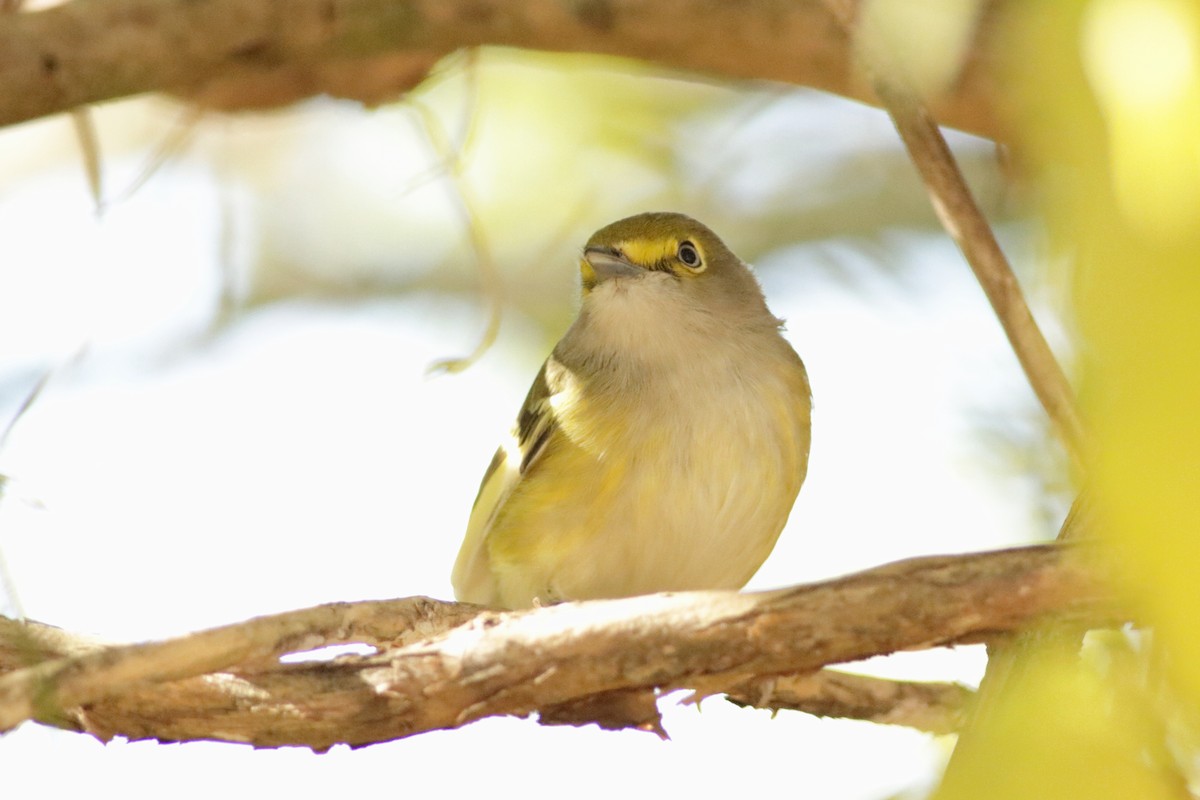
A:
262	53
601	661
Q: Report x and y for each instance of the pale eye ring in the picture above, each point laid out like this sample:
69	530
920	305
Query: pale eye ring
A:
688	255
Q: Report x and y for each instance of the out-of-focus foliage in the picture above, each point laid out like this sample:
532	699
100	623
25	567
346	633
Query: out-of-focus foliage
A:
1110	113
1064	728
1140	302
930	39
328	200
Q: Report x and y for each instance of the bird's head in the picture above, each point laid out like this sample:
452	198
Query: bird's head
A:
662	242
677	255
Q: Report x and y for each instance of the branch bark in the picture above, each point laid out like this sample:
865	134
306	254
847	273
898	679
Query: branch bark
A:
932	707
602	661
264	53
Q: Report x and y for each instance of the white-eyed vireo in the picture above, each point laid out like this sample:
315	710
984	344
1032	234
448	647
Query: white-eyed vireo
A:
663	442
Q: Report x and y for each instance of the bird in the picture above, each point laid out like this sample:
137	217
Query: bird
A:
662	444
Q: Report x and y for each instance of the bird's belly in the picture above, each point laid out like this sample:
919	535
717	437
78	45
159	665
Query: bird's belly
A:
693	509
678	532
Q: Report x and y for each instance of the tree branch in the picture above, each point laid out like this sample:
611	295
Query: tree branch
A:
966	224
96	674
601	661
264	53
962	219
931	707
926	706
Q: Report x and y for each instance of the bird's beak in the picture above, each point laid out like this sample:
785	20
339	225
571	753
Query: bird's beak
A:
603	263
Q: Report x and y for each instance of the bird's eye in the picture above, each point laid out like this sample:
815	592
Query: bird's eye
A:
688	255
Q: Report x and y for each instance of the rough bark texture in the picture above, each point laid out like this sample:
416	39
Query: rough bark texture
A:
442	665
264	53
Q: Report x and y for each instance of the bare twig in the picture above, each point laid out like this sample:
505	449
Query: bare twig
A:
89	147
962	219
172	144
8	588
451	156
966	224
601	661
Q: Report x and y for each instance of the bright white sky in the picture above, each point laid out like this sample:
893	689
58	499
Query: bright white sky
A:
301	456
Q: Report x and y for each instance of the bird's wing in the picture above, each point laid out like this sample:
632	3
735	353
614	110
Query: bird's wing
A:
536	425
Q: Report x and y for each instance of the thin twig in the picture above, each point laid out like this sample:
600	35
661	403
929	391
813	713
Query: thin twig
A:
89	147
966	224
451	155
8	587
173	143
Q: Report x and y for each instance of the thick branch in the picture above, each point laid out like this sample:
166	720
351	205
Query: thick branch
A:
599	661
259	53
99	673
